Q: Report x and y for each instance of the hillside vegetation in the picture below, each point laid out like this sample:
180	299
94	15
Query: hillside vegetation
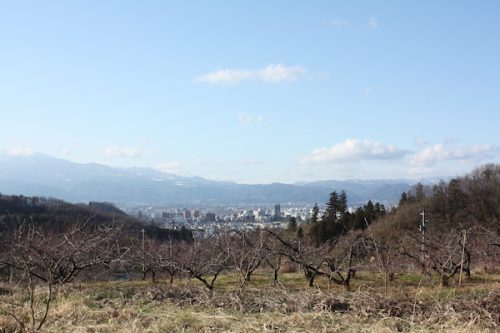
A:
431	264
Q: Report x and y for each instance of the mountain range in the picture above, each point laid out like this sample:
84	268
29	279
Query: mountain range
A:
42	175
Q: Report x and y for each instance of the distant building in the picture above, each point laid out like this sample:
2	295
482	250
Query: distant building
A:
277	212
210	217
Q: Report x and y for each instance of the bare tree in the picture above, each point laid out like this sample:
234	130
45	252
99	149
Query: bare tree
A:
332	259
158	257
246	251
42	259
203	260
274	256
447	255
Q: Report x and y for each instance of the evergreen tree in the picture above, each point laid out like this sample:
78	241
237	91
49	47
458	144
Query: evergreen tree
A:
419	192
382	210
292	224
300	233
439	204
315	213
369	211
342	203
403	200
332	206
359	219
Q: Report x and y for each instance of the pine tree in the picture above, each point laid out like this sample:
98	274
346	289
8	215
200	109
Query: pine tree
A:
292	225
342	203
369	211
300	233
315	213
403	200
419	192
332	206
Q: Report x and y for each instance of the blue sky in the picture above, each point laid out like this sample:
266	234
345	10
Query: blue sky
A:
254	92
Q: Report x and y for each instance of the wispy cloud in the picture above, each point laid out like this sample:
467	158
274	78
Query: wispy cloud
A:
65	151
18	148
247	119
125	152
373	22
354	150
368	90
274	73
21	150
439	153
223	162
169	167
338	23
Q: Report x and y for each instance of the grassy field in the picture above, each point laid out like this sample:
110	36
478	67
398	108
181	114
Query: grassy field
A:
411	305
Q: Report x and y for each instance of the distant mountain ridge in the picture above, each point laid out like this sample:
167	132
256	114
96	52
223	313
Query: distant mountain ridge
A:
42	175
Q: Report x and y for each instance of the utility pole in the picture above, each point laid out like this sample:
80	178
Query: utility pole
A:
143	253
422	228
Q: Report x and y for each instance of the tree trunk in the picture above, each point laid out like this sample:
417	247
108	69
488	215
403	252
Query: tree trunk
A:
310	275
11	274
445	280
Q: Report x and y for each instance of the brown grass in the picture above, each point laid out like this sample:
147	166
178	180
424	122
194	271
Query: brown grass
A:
292	307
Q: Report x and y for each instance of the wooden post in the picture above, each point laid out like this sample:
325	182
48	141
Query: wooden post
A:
462	263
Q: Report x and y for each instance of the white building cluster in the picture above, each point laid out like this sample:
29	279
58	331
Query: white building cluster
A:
207	221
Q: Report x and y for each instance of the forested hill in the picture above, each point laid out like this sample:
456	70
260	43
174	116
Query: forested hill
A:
42	210
472	200
462	218
57	215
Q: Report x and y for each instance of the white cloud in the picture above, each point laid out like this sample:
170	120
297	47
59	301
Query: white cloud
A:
224	162
169	167
21	150
373	22
274	73
126	152
354	150
65	151
278	73
338	23
439	152
225	76
244	118
247	119
368	90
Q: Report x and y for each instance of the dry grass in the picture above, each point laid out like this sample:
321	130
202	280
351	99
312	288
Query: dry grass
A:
187	307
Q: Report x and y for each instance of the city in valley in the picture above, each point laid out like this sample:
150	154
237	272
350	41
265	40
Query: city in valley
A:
205	222
249	166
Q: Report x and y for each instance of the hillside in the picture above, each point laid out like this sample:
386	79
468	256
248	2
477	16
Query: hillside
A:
56	215
462	224
41	175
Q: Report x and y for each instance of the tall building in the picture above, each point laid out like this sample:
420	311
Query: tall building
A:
277	212
195	213
210	217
